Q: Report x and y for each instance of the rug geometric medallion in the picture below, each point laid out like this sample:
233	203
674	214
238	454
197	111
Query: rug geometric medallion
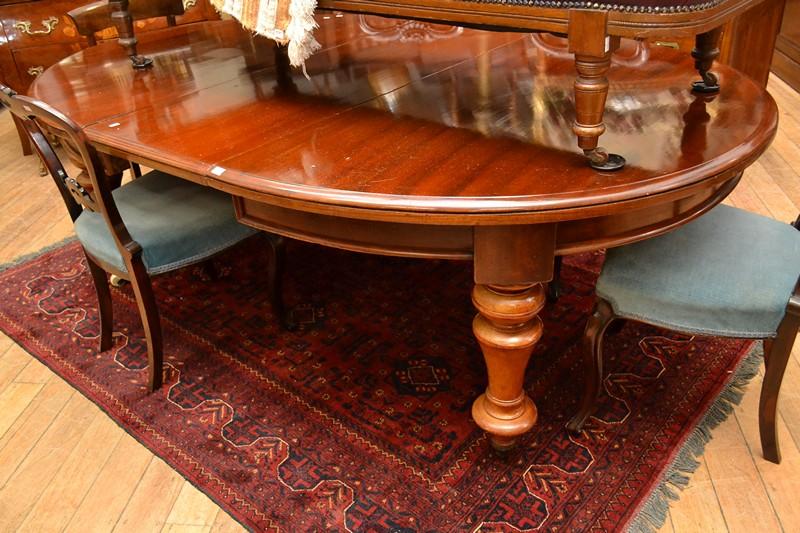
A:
360	420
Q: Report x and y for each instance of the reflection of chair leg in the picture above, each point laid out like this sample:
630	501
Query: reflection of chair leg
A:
276	252
103	303
602	316
780	350
148	311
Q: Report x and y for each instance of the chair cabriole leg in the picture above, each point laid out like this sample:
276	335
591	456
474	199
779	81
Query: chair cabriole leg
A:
104	305
148	311
596	327
780	350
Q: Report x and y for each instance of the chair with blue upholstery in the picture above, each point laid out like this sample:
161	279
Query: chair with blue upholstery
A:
151	225
729	273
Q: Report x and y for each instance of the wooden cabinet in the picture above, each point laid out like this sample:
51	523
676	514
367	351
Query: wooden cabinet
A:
786	62
35	34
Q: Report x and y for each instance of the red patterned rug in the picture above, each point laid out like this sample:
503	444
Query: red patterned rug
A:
360	420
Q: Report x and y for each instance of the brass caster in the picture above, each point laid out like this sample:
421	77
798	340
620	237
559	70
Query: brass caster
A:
117	281
708	85
600	159
141	62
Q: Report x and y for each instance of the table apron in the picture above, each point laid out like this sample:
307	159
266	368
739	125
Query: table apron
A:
502	254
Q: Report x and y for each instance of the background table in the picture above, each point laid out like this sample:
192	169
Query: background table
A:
439	143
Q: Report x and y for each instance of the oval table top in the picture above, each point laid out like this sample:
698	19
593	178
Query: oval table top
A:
444	120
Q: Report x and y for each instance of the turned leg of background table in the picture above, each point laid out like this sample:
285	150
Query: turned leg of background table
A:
507	328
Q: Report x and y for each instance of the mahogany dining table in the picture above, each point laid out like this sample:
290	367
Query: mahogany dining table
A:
441	142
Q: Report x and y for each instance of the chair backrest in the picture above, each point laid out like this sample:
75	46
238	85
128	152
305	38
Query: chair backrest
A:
90	189
95	17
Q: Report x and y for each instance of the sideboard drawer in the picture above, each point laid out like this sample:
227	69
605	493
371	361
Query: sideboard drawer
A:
32	61
45	24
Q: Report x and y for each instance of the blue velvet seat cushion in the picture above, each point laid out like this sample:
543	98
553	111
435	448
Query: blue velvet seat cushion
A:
176	222
727	273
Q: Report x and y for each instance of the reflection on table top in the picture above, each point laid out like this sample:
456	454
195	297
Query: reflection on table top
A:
421	118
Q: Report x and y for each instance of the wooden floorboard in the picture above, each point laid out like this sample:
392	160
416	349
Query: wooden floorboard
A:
64	466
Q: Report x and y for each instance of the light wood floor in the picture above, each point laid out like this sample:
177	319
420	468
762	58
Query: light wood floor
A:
64	465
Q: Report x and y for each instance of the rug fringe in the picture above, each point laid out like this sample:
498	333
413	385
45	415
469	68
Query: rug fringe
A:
653	513
33	255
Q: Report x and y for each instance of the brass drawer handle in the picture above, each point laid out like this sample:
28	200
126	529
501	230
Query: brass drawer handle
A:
35	71
668	44
25	26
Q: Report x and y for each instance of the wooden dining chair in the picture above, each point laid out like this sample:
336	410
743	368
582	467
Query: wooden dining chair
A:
729	273
151	225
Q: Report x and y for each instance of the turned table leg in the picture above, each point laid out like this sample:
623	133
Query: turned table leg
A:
507	328
511	265
706	51
592	46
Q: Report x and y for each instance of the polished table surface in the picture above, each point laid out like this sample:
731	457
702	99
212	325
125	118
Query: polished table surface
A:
442	142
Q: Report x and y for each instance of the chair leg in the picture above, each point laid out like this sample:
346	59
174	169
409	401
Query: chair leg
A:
276	264
705	52
615	326
768	343
554	287
210	270
602	316
103	303
780	350
148	311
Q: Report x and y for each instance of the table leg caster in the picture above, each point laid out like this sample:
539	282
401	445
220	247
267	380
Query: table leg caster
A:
600	159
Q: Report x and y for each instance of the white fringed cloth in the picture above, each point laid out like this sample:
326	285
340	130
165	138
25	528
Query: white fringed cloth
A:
289	22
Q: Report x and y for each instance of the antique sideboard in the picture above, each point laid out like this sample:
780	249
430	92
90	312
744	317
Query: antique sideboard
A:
35	34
